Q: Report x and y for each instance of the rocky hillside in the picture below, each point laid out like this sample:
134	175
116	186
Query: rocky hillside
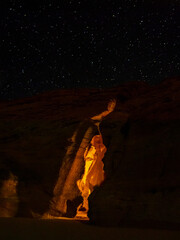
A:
141	163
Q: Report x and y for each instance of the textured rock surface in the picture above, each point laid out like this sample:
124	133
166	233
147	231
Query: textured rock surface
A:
144	176
141	164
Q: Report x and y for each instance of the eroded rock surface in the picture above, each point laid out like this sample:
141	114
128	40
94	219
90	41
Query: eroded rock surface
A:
143	159
141	162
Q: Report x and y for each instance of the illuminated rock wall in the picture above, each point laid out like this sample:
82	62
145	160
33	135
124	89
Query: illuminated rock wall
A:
141	162
66	193
8	196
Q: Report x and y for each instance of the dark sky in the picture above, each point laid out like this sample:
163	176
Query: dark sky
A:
47	45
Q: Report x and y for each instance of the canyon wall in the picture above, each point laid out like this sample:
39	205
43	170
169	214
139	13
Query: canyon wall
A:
141	162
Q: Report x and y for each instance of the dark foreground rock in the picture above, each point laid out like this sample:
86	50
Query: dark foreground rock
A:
21	228
141	163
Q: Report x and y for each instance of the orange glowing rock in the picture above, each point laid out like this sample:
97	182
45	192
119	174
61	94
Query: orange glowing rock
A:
93	172
8	197
93	153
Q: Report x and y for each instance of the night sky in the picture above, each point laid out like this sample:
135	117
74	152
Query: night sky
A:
47	45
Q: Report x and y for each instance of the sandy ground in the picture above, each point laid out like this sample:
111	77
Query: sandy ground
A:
21	228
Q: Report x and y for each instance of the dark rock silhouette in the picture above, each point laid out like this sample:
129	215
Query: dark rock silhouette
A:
141	162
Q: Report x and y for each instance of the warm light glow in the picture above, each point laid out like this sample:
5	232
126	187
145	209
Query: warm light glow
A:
93	173
9	197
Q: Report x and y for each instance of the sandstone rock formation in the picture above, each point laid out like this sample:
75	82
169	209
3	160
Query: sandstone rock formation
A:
141	162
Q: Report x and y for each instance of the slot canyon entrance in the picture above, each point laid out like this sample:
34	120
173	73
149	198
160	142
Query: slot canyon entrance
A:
93	173
81	169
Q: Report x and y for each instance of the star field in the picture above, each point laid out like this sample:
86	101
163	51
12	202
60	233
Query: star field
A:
69	44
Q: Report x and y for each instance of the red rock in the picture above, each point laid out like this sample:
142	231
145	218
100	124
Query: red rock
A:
141	164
